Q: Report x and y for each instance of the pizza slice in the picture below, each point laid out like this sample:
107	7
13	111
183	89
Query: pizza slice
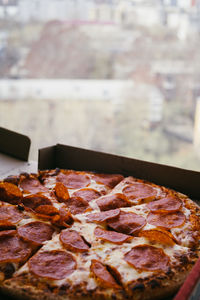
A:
21	234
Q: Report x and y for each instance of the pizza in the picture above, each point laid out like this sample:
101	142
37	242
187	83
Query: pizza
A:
68	234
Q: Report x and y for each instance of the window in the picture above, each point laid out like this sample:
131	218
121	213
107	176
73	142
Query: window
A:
116	76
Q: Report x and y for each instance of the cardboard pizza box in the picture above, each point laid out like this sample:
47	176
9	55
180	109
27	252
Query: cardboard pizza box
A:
14	153
185	181
63	156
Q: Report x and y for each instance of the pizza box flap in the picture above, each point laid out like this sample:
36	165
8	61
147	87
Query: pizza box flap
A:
14	153
63	156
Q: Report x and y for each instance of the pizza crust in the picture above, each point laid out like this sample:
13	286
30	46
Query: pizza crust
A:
151	289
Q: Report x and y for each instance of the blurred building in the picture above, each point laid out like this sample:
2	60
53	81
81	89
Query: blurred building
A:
46	10
181	15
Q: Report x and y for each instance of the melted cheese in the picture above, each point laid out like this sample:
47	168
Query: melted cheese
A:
86	230
107	252
127	272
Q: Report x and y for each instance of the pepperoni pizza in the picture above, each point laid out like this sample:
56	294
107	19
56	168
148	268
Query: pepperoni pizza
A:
81	235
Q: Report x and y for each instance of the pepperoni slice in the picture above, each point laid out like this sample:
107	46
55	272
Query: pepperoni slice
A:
63	219
10	193
12	179
113	201
61	192
102	274
146	257
157	236
48	173
48	210
33	201
7	233
76	205
13	249
9	215
87	194
103	216
168	204
55	264
48	178
127	222
73	241
111	236
115	273
169	220
35	232
140	191
73	180
32	185
111	180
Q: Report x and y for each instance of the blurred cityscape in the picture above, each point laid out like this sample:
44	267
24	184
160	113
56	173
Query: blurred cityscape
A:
119	76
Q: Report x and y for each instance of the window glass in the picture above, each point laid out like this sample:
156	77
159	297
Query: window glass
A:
115	76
